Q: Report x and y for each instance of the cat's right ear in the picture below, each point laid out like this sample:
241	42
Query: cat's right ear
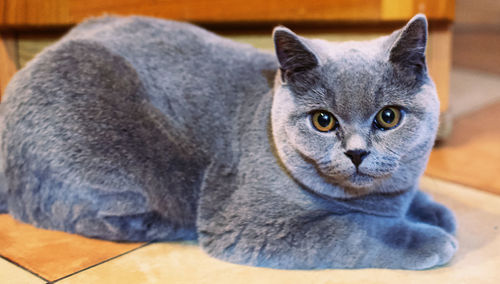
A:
408	45
293	52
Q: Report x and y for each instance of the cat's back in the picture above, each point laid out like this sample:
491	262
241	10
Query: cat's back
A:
169	57
179	63
176	71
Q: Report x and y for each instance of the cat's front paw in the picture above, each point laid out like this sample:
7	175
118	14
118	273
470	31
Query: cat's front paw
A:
427	211
428	247
438	215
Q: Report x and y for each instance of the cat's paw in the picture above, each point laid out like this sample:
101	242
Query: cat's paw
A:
442	217
437	215
429	247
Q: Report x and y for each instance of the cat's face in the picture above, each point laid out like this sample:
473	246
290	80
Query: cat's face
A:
354	118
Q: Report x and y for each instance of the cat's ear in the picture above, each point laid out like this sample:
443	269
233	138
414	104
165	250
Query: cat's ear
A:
292	51
408	45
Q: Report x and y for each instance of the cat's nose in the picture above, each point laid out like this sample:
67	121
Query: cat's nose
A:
356	156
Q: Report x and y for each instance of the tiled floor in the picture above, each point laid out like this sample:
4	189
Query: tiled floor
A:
469	161
52	254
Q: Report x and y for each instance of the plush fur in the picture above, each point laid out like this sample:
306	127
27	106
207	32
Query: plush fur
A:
140	129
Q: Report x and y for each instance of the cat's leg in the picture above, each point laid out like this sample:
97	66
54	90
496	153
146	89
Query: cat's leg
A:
119	209
324	240
135	221
424	209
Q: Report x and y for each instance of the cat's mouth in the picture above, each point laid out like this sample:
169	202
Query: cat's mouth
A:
356	180
360	180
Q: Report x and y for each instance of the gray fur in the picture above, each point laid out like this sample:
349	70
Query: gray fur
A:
142	129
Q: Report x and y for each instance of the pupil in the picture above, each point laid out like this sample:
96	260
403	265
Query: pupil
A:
324	119
388	116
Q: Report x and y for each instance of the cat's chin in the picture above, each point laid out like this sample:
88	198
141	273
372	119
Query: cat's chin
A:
354	179
354	185
358	184
360	181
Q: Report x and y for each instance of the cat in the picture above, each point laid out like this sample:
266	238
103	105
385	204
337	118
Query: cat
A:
141	129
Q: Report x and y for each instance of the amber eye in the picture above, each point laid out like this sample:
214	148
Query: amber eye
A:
323	121
388	118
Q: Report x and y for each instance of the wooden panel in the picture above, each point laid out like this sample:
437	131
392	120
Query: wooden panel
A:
8	59
477	35
35	12
439	62
18	13
400	10
233	11
478	12
477	49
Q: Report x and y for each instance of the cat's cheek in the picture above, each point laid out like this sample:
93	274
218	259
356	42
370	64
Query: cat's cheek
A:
413	134
400	139
309	142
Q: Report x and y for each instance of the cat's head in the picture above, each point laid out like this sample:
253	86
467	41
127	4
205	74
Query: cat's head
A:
354	118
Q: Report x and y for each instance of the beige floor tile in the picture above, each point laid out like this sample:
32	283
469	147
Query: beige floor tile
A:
477	261
12	274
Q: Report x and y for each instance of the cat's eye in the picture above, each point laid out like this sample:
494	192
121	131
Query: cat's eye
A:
324	121
388	118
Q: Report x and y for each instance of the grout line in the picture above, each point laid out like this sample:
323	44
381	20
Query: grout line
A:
104	261
24	268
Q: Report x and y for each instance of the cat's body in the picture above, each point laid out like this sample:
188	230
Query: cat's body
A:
142	129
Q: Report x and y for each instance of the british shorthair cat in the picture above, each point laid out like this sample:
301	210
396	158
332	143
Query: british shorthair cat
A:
140	129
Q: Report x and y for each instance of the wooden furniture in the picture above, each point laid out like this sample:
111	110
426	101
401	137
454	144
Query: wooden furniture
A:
477	35
21	19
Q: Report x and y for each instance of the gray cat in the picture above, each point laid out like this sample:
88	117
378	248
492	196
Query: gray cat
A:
141	129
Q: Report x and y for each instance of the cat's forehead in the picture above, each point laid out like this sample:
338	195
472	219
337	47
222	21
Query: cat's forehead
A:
365	50
352	74
359	62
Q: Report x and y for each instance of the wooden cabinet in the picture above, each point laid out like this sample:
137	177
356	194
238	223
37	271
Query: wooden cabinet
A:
22	13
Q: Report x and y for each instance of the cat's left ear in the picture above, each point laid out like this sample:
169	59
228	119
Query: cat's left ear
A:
408	45
292	51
